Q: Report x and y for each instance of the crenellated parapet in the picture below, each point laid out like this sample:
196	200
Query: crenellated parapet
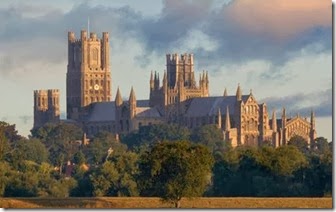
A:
88	74
173	59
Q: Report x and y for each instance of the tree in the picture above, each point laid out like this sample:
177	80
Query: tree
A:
172	170
32	149
4	146
155	133
210	136
10	131
60	139
321	145
286	160
98	149
116	177
79	158
299	142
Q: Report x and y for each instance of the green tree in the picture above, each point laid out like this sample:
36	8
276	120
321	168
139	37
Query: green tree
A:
4	145
287	160
79	158
60	139
101	146
4	176
116	177
210	136
299	142
32	149
156	133
320	145
10	131
173	170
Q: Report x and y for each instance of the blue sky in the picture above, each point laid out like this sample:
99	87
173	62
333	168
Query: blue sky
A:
280	49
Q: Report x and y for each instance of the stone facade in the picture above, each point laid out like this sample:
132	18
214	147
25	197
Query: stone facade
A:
180	99
46	107
88	77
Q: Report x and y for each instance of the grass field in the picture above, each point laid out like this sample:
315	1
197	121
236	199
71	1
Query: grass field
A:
138	202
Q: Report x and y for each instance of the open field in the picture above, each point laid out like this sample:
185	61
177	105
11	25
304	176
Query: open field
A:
138	202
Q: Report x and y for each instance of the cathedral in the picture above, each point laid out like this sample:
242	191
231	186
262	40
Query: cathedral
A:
178	99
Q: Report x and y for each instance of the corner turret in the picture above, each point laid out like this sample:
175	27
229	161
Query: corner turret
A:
118	99
227	120
225	92
239	93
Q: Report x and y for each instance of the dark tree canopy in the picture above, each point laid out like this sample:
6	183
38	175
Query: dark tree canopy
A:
10	131
172	170
299	142
210	136
156	133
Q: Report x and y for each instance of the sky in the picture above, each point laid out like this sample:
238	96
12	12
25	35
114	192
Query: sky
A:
281	49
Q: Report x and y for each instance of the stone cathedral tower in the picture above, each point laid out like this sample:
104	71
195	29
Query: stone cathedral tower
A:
178	85
88	75
46	107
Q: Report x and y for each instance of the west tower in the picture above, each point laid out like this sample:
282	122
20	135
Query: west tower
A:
46	107
88	72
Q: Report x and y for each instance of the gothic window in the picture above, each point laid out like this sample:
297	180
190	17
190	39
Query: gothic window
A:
121	126
42	101
127	125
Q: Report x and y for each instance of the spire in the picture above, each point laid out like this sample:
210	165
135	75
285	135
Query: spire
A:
219	114
250	91
225	92
227	120
193	81
151	81
312	120
284	119
239	93
274	124
164	77
118	99
132	98
206	77
200	79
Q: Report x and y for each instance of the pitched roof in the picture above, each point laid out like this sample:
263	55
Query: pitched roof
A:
147	112
143	103
203	106
105	111
102	111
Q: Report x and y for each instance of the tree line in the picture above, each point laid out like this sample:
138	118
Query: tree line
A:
167	161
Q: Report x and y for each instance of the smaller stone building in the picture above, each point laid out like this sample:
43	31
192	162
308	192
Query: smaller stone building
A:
46	107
